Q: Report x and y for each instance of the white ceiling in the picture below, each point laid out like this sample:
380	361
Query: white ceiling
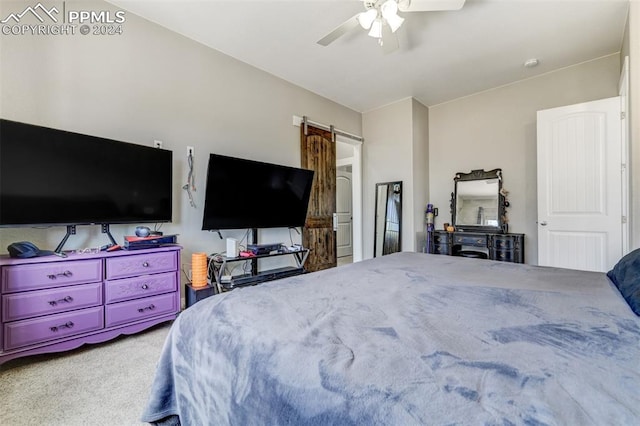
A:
442	55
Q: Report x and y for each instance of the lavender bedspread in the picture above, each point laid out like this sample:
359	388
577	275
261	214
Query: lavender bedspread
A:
406	339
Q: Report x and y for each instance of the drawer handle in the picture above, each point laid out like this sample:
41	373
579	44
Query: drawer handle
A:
62	274
65	325
145	264
67	299
150	307
145	286
479	241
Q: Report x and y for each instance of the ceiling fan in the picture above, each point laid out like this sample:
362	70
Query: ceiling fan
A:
381	19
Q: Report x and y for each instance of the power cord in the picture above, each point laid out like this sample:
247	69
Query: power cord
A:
213	271
246	235
290	237
191	183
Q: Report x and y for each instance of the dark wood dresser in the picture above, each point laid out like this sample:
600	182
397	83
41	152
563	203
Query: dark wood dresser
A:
482	245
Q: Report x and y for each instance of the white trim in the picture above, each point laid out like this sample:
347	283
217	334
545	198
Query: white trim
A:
356	182
623	91
344	161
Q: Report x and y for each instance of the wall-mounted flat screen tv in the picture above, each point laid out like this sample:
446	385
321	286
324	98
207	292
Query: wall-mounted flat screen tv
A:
244	194
55	177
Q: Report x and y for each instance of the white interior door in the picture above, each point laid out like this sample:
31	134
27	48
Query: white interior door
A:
580	186
344	210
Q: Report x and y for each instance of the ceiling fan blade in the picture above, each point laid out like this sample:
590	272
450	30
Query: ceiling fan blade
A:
429	5
389	40
344	28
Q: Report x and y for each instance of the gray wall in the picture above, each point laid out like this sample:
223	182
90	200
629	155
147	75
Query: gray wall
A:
386	157
150	83
396	149
497	129
420	121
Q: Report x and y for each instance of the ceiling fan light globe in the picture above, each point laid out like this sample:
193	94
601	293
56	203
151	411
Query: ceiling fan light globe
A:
395	22
389	9
376	28
365	19
403	5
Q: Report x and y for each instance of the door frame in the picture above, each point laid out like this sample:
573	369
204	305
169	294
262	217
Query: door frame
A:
356	182
623	91
356	192
343	174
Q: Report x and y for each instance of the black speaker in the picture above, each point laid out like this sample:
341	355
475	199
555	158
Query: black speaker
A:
194	295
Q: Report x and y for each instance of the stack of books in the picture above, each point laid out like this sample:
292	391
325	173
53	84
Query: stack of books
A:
132	242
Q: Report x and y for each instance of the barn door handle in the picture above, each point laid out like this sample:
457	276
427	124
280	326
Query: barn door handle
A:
335	221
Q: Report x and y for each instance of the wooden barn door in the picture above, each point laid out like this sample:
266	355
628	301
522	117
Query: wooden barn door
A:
318	152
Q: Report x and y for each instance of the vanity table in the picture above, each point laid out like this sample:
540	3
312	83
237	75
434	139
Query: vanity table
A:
478	216
482	245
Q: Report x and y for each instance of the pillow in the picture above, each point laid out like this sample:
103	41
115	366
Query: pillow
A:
626	276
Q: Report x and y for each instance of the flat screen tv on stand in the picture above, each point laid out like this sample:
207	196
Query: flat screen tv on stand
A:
51	177
249	194
243	194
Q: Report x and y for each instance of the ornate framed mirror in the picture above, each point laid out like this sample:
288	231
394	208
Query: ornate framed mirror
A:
478	202
388	220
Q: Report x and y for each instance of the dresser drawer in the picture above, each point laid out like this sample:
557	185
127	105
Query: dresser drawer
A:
124	312
476	240
139	264
44	302
50	274
440	238
503	242
30	332
441	249
143	286
504	255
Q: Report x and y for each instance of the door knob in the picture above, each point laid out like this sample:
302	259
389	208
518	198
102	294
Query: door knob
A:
543	223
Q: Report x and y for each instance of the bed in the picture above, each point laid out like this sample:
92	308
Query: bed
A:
406	339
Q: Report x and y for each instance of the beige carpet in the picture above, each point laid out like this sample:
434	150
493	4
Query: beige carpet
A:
103	384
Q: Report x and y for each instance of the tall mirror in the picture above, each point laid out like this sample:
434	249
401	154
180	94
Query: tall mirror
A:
478	203
388	220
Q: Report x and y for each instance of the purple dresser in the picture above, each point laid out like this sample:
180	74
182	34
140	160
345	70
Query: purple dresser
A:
51	304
